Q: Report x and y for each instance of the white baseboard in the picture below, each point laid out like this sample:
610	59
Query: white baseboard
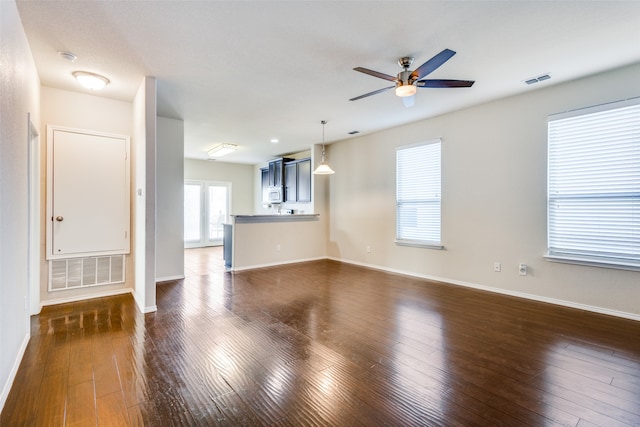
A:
151	309
86	297
141	307
564	303
275	264
169	278
6	388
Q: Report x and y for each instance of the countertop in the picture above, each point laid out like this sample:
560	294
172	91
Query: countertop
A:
240	219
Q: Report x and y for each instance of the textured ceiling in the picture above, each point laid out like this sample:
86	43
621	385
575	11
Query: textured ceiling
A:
244	72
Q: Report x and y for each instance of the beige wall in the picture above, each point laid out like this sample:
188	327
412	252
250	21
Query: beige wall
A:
240	176
272	243
493	203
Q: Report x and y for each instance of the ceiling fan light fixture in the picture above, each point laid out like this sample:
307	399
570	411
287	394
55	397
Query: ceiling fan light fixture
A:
323	168
221	150
406	90
91	81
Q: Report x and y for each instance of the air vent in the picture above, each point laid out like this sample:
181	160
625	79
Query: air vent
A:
538	79
82	272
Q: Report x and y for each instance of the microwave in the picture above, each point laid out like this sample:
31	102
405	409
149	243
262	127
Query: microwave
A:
275	194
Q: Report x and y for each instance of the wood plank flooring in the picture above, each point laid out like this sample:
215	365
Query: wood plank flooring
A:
326	344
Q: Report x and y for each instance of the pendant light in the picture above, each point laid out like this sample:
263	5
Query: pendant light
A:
323	168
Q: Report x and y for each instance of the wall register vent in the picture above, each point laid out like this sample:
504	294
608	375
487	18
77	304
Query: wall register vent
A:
75	273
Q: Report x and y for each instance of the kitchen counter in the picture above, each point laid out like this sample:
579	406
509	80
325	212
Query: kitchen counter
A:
247	219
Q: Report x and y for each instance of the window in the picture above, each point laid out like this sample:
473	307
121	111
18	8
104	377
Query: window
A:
418	194
594	185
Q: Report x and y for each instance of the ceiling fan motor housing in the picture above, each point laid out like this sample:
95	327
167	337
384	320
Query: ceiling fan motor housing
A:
404	78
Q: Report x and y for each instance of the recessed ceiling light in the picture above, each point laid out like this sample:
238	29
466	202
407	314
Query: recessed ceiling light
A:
274	140
90	80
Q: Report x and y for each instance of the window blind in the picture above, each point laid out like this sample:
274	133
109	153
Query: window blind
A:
594	185
418	183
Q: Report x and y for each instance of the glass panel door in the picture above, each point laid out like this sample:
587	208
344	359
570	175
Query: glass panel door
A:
206	208
218	212
193	214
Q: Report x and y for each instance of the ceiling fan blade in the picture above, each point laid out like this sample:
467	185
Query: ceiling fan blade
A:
431	65
375	74
444	83
372	93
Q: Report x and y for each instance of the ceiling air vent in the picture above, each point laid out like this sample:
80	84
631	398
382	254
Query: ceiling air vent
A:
537	79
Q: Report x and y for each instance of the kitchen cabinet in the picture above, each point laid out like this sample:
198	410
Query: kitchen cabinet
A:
290	182
297	181
276	172
264	184
275	192
304	181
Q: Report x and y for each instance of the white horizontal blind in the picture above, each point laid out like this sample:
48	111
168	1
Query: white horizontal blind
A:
594	185
418	186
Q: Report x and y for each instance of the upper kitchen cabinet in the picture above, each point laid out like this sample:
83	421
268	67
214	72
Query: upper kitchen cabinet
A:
264	184
304	181
275	192
297	181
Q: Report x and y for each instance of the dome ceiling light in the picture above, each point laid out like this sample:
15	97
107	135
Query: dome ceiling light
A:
91	81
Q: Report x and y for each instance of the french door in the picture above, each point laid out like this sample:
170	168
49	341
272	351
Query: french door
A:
206	208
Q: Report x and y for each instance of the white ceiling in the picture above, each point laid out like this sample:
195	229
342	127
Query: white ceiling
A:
244	72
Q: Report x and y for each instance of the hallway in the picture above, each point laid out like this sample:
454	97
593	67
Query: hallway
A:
202	261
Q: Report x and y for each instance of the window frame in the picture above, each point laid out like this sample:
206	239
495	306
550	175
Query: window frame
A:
401	239
566	184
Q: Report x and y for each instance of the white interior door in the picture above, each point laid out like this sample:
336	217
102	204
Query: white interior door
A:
88	194
206	208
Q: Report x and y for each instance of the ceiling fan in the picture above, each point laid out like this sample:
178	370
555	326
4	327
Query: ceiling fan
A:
407	82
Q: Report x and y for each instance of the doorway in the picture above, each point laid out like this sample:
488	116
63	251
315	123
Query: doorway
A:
206	208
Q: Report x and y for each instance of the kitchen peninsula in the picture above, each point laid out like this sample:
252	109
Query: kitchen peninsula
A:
264	240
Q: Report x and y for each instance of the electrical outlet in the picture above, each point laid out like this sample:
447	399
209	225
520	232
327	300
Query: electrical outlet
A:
522	269
368	249
497	267
278	247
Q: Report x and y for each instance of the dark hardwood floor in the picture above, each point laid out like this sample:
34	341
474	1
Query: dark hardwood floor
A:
328	344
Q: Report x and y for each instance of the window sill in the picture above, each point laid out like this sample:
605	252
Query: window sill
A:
419	244
619	264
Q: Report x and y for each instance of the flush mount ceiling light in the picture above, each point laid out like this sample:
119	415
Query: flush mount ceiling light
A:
221	150
91	81
323	168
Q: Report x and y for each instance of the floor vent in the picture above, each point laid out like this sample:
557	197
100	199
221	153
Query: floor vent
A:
75	273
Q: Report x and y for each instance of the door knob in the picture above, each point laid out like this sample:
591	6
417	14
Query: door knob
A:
59	218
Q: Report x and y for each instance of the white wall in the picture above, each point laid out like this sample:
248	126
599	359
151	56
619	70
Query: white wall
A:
240	176
81	111
144	191
169	200
493	203
20	92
